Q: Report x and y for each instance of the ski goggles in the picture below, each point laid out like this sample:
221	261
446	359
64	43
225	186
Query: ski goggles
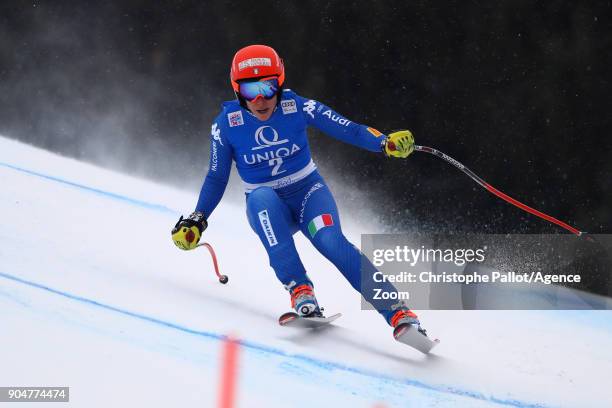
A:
265	88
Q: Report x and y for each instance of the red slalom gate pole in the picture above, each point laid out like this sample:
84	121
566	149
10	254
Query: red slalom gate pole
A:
229	373
222	278
496	192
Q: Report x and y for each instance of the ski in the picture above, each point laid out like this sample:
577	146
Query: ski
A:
410	335
294	320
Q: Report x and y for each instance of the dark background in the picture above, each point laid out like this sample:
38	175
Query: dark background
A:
518	91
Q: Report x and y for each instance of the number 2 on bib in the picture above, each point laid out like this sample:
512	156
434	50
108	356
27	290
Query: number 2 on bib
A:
277	162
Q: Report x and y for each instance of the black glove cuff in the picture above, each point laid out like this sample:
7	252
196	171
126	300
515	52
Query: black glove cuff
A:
196	218
200	218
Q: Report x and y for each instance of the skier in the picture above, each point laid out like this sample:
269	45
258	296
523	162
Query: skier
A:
264	132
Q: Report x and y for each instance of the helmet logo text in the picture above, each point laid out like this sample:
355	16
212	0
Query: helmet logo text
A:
254	62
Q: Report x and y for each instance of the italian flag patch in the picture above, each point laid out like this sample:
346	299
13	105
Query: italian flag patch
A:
323	220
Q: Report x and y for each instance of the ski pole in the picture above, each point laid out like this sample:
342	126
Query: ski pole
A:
496	192
222	278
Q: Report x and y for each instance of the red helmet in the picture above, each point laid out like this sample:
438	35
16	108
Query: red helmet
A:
256	61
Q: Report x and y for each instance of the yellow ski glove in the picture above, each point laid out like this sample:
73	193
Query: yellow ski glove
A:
187	231
399	144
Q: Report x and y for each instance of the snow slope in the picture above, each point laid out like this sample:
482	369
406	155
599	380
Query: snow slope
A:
94	295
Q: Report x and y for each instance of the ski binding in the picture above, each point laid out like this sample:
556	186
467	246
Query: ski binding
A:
295	320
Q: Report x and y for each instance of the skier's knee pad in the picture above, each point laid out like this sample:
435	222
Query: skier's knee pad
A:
262	197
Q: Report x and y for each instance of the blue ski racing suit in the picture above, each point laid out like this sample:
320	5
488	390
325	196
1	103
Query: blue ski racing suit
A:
284	191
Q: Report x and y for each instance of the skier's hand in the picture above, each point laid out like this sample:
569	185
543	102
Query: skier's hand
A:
187	231
399	144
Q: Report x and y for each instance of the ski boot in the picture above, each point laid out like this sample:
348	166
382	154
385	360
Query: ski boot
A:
304	302
408	330
403	318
